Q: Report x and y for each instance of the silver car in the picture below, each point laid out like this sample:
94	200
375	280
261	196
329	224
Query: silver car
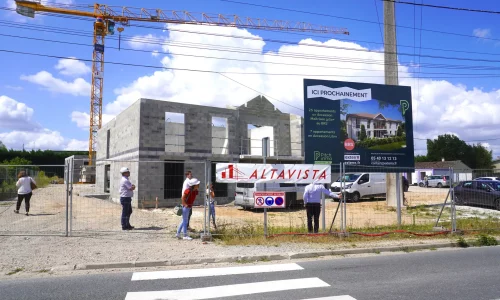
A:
438	181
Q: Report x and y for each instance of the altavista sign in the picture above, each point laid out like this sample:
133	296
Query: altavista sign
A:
280	173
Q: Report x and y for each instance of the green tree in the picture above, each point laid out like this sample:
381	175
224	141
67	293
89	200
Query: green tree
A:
2	147
447	146
343	131
450	147
362	134
421	158
400	131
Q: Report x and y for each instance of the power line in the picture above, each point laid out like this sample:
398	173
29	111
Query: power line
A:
379	24
444	7
229	72
241	60
284	42
346	18
333	47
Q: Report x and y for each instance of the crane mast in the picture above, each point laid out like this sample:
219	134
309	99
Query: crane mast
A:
107	16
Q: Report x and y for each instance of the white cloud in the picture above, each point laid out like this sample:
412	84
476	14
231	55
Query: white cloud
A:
82	119
15	115
145	42
482	33
11	4
155	53
15	88
77	87
72	67
18	117
439	106
76	145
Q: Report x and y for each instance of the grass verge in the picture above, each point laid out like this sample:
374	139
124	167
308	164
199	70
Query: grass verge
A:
253	233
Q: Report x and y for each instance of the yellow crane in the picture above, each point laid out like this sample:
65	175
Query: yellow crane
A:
106	17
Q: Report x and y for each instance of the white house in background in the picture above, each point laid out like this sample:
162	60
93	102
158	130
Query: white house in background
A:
460	171
376	125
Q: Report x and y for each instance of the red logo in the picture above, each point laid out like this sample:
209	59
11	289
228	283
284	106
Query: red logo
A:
349	144
232	170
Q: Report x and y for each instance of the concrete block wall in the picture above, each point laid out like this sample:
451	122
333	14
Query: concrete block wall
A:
139	134
296	134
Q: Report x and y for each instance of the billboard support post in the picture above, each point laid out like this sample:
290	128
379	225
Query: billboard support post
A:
265	143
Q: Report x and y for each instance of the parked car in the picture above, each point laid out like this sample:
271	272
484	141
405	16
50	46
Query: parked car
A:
437	181
488	178
478	192
360	185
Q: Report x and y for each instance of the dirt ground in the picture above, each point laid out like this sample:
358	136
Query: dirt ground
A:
48	213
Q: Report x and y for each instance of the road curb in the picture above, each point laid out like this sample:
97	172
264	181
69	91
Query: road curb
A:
249	258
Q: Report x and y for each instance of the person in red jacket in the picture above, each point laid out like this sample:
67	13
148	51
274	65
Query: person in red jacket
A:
188	198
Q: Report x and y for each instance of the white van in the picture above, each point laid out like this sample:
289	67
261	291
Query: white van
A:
360	185
294	193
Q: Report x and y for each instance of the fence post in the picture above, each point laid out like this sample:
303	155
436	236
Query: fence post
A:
453	207
265	143
67	196
398	198
72	167
323	212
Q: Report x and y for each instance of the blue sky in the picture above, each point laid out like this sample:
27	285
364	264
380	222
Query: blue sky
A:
460	104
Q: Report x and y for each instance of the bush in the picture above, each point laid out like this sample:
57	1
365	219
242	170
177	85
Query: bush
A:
486	240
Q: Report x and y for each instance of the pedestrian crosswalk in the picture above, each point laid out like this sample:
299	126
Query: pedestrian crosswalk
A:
164	279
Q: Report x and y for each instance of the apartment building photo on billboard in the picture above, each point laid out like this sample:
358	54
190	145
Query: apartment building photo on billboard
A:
376	125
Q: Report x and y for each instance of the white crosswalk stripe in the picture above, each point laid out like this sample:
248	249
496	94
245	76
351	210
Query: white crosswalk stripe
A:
230	290
240	289
214	272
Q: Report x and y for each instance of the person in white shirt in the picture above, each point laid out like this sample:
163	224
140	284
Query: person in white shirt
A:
126	194
186	186
24	191
312	202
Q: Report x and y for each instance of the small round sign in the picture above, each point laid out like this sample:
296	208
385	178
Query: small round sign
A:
269	201
349	144
278	201
260	201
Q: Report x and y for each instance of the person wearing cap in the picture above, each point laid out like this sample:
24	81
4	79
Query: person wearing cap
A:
185	186
312	202
126	194
188	198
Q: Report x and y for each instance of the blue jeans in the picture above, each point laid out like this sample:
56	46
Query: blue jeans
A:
185	220
126	203
212	211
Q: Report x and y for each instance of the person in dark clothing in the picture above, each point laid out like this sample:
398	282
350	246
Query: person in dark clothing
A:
312	202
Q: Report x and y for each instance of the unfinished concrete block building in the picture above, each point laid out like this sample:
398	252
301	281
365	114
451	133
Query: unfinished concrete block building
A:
158	147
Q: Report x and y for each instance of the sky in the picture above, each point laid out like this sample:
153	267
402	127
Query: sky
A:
449	58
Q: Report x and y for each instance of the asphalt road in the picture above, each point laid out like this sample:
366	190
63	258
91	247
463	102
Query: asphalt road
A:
462	274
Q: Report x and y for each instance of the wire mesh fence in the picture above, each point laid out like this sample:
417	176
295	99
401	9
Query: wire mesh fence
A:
46	204
79	198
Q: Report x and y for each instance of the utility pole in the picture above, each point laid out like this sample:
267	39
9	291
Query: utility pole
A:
394	192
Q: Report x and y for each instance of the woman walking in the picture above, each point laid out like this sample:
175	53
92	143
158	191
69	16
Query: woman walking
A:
188	198
25	186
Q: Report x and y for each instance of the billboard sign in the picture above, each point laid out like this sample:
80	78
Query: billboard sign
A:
279	173
269	200
359	124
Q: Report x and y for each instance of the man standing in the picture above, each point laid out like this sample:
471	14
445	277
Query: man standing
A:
186	186
126	194
312	202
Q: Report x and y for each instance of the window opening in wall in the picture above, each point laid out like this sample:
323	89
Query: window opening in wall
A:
255	135
219	188
108	136
174	132
107	179
219	136
173	179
